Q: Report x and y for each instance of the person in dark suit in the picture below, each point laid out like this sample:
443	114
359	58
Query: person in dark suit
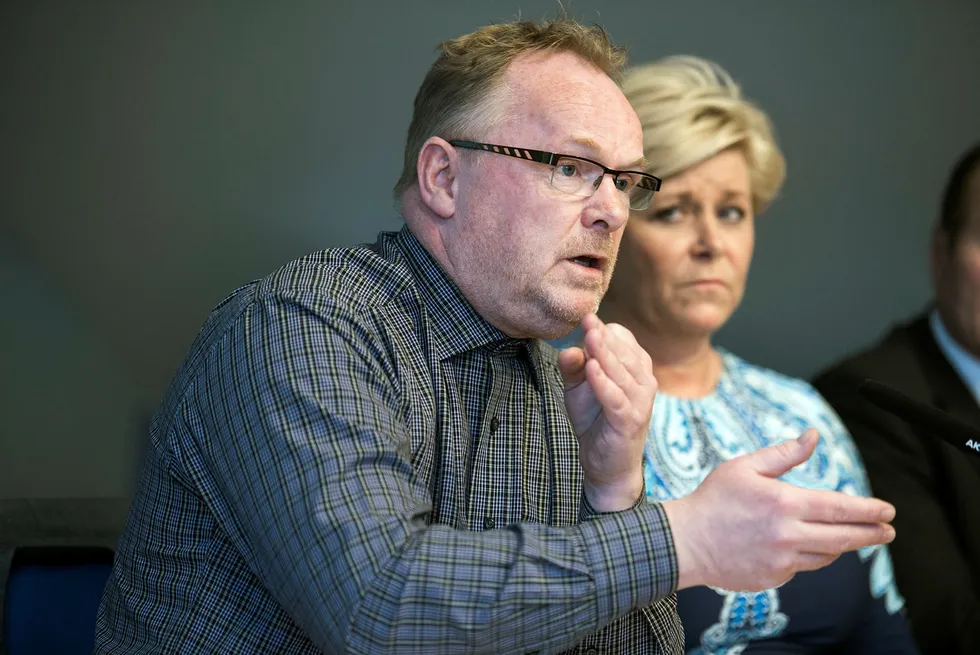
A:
934	358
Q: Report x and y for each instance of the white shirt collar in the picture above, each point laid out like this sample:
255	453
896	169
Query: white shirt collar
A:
965	364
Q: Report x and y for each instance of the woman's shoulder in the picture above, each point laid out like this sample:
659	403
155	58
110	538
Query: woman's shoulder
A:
787	405
769	382
792	395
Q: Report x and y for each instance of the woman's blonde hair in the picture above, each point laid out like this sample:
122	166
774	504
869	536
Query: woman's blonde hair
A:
458	98
691	109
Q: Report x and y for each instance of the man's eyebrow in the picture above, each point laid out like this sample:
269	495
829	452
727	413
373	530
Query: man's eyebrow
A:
638	165
591	145
584	142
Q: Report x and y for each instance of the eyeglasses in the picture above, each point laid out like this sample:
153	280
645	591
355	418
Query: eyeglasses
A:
579	176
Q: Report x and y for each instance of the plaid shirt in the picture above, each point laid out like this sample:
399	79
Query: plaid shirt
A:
351	460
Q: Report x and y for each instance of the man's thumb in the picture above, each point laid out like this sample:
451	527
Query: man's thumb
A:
571	363
776	460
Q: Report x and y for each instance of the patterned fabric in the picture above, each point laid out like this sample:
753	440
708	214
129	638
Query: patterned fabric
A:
351	460
752	408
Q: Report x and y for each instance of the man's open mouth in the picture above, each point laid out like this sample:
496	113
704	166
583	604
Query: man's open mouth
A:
588	262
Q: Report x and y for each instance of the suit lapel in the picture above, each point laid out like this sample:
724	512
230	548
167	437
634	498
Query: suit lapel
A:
949	392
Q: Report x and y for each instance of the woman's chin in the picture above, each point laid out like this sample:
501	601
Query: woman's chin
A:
706	321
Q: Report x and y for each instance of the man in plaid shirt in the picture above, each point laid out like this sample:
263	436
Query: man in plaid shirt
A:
371	450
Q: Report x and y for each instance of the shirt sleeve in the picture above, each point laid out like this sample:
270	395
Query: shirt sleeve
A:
305	446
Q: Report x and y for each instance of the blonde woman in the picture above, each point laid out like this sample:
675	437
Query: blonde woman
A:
680	275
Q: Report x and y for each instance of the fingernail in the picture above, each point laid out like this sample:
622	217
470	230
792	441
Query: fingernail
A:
805	438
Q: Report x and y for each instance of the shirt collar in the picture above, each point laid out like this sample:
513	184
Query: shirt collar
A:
965	364
458	328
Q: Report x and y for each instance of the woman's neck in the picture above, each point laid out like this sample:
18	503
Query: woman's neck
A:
685	365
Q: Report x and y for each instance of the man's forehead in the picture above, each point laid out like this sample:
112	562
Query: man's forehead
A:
559	77
578	111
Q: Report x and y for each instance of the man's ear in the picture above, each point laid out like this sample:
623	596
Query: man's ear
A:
939	253
438	166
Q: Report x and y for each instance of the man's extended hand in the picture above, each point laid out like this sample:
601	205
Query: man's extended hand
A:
609	392
743	530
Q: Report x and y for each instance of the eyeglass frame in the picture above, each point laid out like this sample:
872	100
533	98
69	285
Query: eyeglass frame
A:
552	158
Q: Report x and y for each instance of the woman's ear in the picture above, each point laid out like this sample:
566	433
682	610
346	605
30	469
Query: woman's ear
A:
437	165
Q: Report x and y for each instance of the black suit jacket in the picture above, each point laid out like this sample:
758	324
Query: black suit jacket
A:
935	488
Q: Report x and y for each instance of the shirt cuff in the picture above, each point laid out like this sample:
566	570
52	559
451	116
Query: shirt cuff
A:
632	557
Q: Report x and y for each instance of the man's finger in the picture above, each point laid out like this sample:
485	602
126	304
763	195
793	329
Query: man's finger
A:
774	461
827	539
615	404
602	346
630	353
820	506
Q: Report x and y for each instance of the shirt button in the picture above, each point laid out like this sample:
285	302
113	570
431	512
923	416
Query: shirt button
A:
592	650
489	523
494	424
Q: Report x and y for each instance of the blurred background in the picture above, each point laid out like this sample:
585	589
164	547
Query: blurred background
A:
155	156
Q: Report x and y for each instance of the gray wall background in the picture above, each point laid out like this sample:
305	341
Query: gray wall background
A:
157	155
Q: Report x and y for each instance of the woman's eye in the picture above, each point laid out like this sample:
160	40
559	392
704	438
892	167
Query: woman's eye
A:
732	214
667	214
